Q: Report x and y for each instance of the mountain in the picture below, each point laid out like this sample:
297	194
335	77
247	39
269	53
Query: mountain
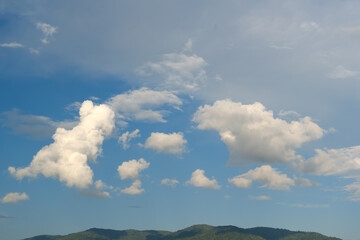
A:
196	232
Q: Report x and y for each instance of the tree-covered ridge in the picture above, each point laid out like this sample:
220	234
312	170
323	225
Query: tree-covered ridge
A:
196	232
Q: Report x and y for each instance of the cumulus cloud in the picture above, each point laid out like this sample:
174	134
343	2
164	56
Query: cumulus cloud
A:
180	72
11	45
141	104
270	177
127	136
131	169
33	125
169	182
198	179
332	162
134	189
34	51
340	72
260	198
251	132
67	157
47	31
99	185
14	197
173	143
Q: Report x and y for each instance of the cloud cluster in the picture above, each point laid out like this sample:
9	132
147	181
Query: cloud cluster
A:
67	157
141	105
173	143
127	136
266	175
14	197
198	179
181	72
131	170
252	133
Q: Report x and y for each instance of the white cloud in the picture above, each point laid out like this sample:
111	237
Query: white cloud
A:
266	175
260	198
11	45
251	132
126	137
14	197
283	113
332	162
169	182
132	168
33	125
198	179
47	30
141	104
188	45
173	143
354	188
340	72
181	72
66	158
134	189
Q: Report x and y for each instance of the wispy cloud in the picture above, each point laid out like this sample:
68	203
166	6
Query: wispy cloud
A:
260	198
47	31
11	45
301	205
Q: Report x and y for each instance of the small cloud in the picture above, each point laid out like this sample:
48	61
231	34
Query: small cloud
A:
188	45
354	29
354	188
97	194
340	72
173	143
227	196
198	179
284	113
47	31
134	206
134	189
126	137
14	197
11	45
99	185
218	78
300	205
280	47
304	182
5	217
309	26
131	169
270	177
260	198
169	182
34	51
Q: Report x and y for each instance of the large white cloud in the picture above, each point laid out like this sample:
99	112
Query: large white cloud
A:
14	197
198	179
173	143
328	162
253	133
181	72
270	177
131	169
67	157
141	104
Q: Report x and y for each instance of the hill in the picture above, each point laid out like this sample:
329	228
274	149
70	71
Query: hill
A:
196	232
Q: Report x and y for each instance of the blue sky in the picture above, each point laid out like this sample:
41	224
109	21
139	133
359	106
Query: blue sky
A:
165	114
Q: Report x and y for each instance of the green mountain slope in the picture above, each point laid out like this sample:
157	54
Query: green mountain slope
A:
196	232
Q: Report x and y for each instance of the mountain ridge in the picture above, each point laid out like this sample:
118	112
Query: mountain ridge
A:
194	232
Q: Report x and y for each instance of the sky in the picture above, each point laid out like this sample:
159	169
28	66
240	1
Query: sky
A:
164	114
